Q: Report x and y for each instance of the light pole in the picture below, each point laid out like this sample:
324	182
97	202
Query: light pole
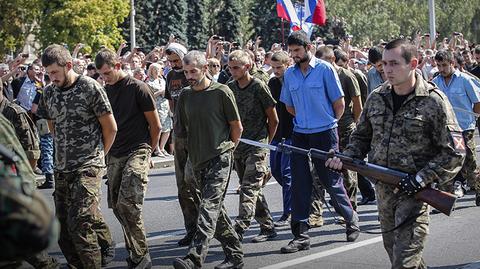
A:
132	25
431	16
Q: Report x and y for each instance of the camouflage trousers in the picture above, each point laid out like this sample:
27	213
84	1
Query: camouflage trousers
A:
318	195
127	185
404	245
82	227
213	220
251	169
40	261
46	153
188	192
350	180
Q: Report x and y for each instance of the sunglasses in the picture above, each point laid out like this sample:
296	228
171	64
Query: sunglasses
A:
214	65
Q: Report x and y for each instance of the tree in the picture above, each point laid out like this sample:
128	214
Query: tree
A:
229	20
170	18
264	13
17	22
91	22
144	19
197	35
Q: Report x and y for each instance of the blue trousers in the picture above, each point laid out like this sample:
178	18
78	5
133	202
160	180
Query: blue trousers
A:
302	179
46	153
280	167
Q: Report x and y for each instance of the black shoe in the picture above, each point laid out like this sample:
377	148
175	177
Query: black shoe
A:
352	233
284	220
185	241
477	199
46	185
366	200
108	254
296	245
264	236
226	264
179	263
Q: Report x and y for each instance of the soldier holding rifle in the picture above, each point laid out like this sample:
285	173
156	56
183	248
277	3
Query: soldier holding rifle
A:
408	125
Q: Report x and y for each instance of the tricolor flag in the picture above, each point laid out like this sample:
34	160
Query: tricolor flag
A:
315	12
286	11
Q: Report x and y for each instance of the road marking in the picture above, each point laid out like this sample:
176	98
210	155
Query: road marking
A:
473	265
322	254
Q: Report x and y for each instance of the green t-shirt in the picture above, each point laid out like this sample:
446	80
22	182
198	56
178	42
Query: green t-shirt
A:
204	117
351	89
252	101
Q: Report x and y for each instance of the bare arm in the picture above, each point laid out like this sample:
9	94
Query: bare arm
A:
155	127
109	130
339	107
236	130
272	118
357	107
291	110
476	108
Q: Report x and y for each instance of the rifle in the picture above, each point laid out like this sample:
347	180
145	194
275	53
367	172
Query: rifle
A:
442	201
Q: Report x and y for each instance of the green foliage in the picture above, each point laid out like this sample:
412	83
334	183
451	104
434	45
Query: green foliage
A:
170	18
265	13
91	22
229	20
17	20
197	35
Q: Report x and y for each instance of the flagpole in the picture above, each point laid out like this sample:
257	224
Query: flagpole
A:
283	35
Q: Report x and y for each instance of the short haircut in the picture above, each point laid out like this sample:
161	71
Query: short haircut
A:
298	38
91	66
324	51
459	59
139	70
375	54
195	57
444	56
56	54
281	56
240	56
409	51
106	56
340	55
477	50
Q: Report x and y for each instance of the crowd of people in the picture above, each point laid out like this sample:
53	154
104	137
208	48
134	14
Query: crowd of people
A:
410	105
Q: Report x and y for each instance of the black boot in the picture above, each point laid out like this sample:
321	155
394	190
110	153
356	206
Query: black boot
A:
48	184
227	264
353	229
301	239
186	240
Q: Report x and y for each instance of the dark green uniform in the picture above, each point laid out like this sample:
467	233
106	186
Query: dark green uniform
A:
250	161
204	117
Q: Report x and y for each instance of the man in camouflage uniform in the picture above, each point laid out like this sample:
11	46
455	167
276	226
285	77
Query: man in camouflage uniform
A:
129	158
81	118
24	128
188	193
207	103
17	244
408	125
259	118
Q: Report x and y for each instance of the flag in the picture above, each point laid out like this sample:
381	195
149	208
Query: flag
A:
286	11
307	27
315	12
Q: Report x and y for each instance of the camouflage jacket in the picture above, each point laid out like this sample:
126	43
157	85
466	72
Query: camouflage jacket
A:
422	137
77	131
28	224
24	128
252	102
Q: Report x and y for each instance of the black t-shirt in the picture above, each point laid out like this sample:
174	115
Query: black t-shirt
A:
285	124
130	98
398	100
176	81
476	71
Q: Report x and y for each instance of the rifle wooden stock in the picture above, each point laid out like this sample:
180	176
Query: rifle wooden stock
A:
442	201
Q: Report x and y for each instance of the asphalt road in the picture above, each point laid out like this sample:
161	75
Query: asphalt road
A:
454	242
